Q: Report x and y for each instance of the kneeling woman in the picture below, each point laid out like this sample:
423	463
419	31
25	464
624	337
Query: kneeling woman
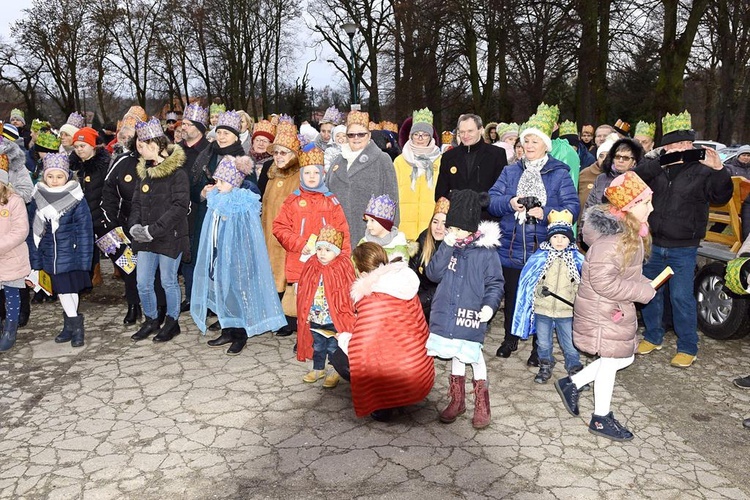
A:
159	225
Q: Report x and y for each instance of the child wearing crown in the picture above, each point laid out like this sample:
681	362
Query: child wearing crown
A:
379	216
232	272
546	291
323	303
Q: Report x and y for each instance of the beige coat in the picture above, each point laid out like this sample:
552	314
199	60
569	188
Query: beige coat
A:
557	280
608	290
281	183
586	180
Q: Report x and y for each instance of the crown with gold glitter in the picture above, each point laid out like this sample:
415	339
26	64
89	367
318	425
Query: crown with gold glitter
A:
286	135
266	129
358	118
626	190
568	128
442	206
645	129
149	130
446	137
332	115
389	126
331	236
672	123
314	156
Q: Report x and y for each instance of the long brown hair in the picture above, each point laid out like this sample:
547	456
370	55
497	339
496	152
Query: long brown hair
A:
631	240
369	256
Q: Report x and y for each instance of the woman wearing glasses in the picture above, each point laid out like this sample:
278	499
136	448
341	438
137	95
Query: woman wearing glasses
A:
624	155
362	171
417	169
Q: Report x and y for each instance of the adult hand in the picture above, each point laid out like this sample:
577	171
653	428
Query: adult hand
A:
485	314
136	231
712	159
537	212
515	205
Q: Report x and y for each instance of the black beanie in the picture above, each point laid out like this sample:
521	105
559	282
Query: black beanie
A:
465	211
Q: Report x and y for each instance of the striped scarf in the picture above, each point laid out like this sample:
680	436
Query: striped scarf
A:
51	204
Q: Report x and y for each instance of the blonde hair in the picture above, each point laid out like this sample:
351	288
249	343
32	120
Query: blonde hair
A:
631	240
5	192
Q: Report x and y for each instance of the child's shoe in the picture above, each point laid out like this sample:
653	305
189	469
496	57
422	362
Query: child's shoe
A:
332	379
481	405
545	372
575	370
608	427
569	394
313	376
457	404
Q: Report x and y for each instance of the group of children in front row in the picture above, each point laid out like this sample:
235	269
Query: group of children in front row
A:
236	283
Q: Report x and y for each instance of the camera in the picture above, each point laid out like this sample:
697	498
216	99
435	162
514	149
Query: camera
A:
529	202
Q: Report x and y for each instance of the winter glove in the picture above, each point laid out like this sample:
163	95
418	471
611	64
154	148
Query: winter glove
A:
449	239
485	314
140	234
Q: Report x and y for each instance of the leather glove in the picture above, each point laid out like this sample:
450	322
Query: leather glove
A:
449	239
485	314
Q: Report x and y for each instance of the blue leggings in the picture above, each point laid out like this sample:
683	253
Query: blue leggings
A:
12	303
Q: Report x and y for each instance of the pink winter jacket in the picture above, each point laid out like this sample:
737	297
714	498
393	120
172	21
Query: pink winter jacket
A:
14	228
604	318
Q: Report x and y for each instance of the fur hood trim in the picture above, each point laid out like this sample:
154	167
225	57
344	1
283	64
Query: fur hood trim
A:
16	157
598	222
394	279
490	234
171	163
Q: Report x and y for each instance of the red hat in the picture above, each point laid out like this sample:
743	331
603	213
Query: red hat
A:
87	135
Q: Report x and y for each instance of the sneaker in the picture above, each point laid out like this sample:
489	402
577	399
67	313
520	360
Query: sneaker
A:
645	347
569	394
313	376
332	379
575	370
742	382
682	360
608	427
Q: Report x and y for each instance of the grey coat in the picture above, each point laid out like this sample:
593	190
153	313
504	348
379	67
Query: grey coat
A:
371	174
18	176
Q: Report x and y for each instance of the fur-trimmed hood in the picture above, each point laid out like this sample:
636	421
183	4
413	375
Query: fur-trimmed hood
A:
490	234
170	165
394	279
16	157
598	222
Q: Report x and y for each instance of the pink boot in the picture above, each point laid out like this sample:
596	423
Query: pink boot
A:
481	405
457	404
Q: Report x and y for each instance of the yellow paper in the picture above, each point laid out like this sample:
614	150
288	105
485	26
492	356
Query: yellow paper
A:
45	282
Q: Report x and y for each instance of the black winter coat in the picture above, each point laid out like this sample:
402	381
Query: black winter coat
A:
682	194
161	202
91	174
427	287
119	188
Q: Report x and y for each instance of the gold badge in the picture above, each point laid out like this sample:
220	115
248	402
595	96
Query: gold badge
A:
128	178
145	188
4	213
302	203
279	184
454	170
335	167
590	186
87	178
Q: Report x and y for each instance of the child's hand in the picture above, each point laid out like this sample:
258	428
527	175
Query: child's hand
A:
485	314
306	250
450	238
206	189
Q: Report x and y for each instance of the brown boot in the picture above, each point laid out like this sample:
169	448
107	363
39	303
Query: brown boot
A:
96	278
481	405
457	405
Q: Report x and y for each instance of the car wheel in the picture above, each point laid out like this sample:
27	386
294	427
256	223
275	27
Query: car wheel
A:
722	315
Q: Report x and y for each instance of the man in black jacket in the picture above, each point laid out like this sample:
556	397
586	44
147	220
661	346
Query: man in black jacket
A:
473	164
683	191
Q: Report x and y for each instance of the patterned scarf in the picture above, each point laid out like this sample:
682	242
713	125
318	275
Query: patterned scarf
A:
421	161
468	240
566	254
531	184
51	204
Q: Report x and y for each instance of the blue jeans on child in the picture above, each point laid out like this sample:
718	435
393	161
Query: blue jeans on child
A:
146	272
322	346
564	328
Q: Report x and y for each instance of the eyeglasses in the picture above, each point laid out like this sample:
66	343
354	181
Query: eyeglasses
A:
623	158
358	135
281	153
421	135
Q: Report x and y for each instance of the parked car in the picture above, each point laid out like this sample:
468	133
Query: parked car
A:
710	144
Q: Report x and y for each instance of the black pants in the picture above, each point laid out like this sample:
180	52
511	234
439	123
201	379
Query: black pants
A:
340	362
291	321
512	277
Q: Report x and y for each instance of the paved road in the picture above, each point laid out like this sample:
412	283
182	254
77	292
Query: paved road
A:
118	419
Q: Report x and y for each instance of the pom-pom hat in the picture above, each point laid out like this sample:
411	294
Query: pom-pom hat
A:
383	210
560	223
330	238
10	132
626	191
466	209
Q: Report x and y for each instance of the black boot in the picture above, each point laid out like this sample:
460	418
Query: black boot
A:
168	331
509	345
76	324
545	372
185	306
240	339
161	314
23	317
66	334
215	326
284	331
148	327
133	315
225	338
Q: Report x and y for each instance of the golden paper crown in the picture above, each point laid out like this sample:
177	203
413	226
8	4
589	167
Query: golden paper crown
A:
329	234
446	137
568	128
423	115
625	189
374	126
358	118
562	217
286	135
544	119
4	164
266	127
671	123
646	129
622	126
389	126
314	156
442	206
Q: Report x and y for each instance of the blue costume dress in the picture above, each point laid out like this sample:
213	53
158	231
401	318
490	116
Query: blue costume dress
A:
232	271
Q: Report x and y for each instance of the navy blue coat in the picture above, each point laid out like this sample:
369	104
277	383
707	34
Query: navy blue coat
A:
519	241
70	248
468	278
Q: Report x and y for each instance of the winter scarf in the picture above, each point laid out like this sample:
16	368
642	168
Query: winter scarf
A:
566	254
234	149
468	240
51	204
421	161
385	240
350	155
531	184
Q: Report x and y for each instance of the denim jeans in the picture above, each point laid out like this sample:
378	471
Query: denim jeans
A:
146	273
684	312
564	328
322	346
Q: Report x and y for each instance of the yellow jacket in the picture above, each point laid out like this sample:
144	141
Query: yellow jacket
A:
415	206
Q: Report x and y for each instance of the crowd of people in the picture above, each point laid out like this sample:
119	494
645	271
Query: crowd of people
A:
317	232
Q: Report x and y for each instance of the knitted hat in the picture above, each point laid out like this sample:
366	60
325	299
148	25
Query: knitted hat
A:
87	135
265	129
10	132
422	122
231	121
286	135
626	191
171	117
18	115
358	118
743	150
606	146
216	108
541	124
47	142
622	128
76	119
330	238
149	130
233	169
4	165
332	115
560	223
442	206
676	128
56	161
308	131
466	209
38	125
383	210
645	129
338	129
